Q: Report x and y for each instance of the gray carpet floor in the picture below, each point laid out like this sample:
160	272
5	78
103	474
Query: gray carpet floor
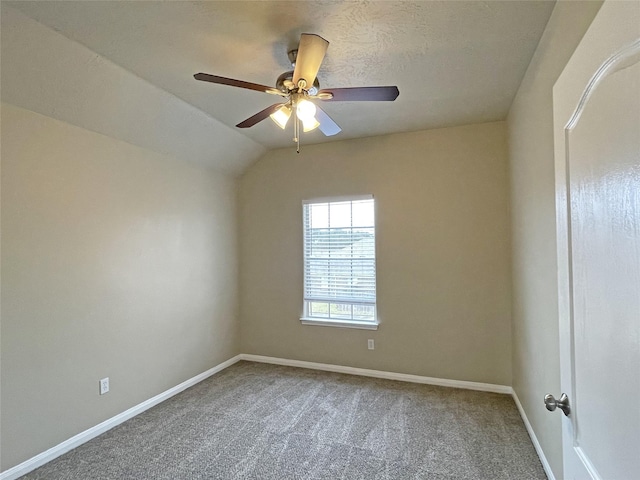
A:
258	421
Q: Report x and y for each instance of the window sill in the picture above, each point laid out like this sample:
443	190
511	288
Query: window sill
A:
339	323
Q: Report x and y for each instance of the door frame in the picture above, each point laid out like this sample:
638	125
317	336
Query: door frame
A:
611	43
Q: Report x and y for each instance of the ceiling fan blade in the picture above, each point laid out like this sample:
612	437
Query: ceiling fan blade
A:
205	77
360	94
327	125
311	52
258	117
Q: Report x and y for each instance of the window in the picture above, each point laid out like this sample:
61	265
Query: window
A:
340	262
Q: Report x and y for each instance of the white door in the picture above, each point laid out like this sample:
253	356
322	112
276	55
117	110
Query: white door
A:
597	155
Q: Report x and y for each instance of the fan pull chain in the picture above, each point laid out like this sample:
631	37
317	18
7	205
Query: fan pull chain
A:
296	129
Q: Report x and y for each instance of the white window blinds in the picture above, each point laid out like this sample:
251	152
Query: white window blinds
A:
340	259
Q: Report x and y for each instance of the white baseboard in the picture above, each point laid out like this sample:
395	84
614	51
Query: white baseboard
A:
365	372
534	439
77	440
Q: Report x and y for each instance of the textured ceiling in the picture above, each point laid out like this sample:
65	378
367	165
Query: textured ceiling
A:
454	62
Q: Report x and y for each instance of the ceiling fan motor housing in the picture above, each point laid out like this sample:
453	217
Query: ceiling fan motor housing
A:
285	84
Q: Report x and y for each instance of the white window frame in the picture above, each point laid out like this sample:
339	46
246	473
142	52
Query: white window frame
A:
306	318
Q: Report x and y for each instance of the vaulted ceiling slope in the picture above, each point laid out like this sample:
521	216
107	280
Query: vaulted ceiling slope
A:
455	62
45	72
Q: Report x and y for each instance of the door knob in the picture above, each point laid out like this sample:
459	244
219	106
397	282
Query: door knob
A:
563	403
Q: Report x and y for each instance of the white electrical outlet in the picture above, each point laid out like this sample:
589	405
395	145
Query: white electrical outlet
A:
104	386
370	344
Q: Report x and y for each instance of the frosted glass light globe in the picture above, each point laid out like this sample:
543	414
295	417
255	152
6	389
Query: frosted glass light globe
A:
281	116
306	110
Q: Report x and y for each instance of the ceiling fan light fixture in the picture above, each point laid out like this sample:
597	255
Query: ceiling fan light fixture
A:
281	116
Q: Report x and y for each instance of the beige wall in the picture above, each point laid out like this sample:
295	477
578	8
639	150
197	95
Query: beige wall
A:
536	368
442	252
116	262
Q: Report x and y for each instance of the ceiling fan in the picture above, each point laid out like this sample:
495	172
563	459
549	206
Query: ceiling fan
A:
300	88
